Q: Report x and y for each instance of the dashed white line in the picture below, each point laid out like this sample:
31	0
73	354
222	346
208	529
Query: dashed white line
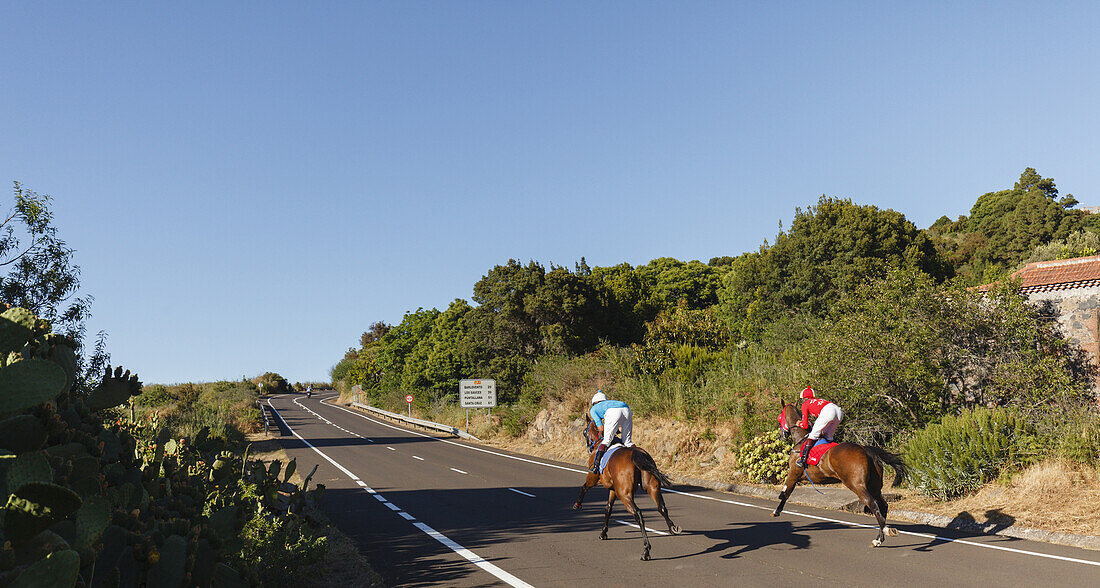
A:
391	449
418	457
457	470
521	492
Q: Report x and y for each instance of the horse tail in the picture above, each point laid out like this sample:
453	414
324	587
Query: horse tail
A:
644	461
881	456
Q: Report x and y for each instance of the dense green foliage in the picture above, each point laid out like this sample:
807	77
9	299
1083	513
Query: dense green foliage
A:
1005	226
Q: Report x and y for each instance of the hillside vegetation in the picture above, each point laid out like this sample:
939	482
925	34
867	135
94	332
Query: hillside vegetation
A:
873	312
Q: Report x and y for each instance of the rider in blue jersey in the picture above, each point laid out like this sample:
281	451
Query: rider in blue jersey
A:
609	416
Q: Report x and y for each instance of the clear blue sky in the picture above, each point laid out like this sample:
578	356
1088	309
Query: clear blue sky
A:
248	187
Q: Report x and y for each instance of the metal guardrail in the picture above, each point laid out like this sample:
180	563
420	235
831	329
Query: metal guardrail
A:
418	422
263	411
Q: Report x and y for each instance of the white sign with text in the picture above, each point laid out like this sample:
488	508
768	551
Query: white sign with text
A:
477	393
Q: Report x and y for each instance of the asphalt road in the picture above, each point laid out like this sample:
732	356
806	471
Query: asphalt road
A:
429	511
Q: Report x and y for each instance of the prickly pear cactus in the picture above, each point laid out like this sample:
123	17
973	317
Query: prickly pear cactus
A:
16	329
26	383
91	520
114	390
56	569
34	507
28	469
169	569
22	433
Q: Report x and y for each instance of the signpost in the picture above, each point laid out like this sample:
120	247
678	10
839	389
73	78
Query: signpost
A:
409	399
477	394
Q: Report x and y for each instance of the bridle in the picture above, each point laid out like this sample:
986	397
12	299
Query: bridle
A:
587	438
786	427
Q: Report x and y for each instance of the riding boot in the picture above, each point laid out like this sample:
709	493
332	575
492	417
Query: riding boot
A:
602	449
805	453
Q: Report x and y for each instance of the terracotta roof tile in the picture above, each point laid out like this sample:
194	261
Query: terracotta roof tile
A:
1060	274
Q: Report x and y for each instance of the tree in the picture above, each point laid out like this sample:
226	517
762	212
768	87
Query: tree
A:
1004	227
830	250
41	274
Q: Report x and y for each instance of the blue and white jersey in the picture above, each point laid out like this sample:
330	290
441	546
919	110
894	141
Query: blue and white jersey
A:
600	408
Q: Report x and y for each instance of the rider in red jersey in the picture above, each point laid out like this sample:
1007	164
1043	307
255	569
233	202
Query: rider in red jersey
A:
828	416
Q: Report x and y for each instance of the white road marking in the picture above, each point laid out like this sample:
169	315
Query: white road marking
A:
637	527
418	457
457	470
466	553
391	449
744	504
521	492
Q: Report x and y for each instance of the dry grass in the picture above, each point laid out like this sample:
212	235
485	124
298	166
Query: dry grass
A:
1053	495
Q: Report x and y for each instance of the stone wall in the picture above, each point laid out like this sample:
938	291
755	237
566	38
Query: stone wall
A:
1078	317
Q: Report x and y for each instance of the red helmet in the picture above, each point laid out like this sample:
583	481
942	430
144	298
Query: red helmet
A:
808	392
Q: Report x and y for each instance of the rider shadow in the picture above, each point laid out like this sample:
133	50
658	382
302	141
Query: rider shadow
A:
965	523
747	537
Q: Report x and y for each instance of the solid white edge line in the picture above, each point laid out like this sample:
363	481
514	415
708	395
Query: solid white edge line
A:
744	504
521	492
440	537
473	557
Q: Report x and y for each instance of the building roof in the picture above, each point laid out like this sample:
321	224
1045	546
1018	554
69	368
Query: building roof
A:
1061	274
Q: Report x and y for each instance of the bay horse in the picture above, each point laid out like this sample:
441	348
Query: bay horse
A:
627	468
859	467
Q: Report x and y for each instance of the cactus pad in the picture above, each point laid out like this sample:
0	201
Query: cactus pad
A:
16	329
169	570
56	569
22	433
114	390
30	382
91	520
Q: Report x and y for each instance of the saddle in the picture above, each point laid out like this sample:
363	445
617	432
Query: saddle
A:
820	448
615	446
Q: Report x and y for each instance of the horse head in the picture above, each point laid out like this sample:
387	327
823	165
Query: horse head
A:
589	433
788	420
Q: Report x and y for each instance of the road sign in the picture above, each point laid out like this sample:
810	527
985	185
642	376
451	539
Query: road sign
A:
477	393
409	398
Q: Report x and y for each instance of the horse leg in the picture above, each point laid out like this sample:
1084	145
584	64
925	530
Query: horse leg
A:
607	514
653	488
872	504
793	476
632	508
589	482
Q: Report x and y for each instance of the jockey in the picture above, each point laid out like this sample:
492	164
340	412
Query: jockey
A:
609	416
828	416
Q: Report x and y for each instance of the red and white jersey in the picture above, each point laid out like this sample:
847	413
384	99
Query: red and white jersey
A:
811	407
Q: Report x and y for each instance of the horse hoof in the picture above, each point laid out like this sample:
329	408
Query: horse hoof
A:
645	557
876	542
775	513
576	506
675	530
603	536
891	531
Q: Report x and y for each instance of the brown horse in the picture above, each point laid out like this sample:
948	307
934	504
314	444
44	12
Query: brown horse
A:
626	468
859	467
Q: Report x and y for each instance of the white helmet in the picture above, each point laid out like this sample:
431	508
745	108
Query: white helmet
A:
598	397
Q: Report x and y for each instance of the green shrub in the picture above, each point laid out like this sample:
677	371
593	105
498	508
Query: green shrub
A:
764	458
957	455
